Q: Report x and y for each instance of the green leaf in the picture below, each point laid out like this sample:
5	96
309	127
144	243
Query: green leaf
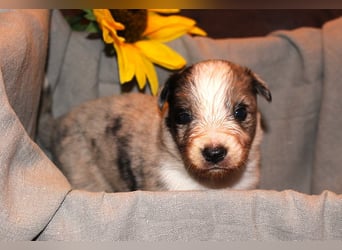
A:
92	28
89	15
78	27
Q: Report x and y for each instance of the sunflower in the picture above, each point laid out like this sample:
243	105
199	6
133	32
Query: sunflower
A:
138	37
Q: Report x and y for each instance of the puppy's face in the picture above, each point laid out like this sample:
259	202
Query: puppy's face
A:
212	116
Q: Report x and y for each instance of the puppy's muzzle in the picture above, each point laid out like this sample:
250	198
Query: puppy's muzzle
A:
214	154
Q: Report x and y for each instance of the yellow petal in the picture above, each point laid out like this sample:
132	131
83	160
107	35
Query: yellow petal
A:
151	76
110	35
140	69
161	54
165	29
125	65
197	31
144	69
132	63
105	15
108	26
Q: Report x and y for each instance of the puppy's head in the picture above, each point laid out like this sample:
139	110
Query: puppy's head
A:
212	116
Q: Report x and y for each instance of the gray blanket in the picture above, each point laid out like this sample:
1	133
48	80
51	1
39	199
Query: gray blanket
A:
300	196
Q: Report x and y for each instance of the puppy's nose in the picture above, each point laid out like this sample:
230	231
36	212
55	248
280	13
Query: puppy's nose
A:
214	155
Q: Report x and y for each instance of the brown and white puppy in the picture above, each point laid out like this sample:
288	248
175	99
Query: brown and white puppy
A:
204	131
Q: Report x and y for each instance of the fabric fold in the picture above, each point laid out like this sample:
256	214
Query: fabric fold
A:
200	215
327	170
32	188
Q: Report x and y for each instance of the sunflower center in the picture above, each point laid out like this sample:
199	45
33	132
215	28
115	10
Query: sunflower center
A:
135	22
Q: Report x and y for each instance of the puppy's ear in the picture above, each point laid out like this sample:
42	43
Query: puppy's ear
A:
163	95
171	84
168	88
261	88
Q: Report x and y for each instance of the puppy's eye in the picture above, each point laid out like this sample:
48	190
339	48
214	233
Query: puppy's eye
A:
240	113
183	117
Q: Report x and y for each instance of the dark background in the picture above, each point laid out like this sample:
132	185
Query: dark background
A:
225	23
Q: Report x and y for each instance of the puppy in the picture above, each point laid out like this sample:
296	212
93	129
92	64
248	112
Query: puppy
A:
202	132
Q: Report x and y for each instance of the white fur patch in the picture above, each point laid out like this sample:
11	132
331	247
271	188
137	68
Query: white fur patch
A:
175	177
210	87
